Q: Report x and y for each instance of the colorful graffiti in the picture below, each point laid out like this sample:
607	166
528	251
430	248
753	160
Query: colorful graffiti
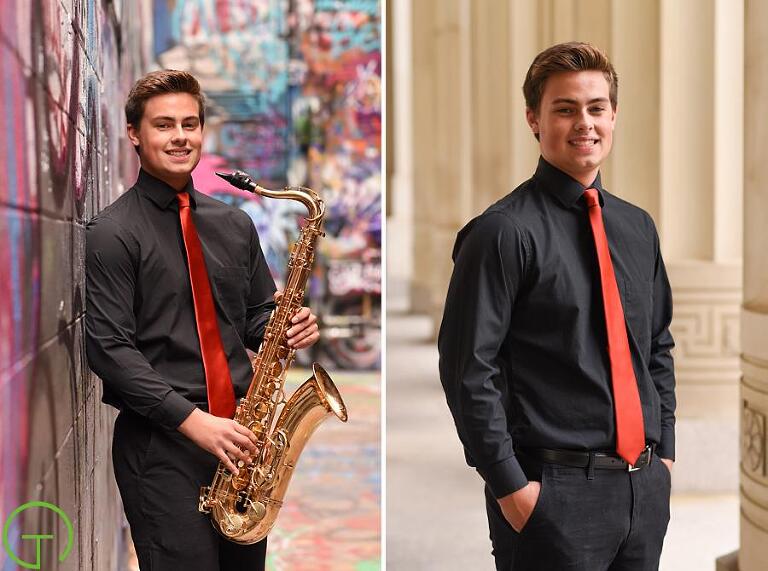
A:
294	89
59	163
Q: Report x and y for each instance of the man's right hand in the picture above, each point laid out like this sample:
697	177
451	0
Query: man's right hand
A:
222	437
518	506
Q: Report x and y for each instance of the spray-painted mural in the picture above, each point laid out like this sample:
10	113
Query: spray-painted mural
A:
294	90
59	163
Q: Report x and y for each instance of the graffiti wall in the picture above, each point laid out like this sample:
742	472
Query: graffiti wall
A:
294	98
294	90
62	65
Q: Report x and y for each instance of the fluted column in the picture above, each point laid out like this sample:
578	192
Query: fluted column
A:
753	552
442	143
699	218
400	156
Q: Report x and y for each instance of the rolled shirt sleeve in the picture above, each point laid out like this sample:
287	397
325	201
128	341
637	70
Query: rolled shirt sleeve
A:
489	266
110	327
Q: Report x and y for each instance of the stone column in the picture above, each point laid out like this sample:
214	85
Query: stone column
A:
753	552
699	200
442	142
400	157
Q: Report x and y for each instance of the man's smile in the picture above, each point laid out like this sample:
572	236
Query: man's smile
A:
179	152
583	142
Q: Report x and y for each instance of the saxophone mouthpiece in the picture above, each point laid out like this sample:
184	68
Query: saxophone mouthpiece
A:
239	179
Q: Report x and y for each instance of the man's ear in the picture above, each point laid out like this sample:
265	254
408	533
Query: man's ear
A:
533	120
133	134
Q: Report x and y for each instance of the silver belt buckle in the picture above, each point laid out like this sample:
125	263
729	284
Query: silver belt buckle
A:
631	467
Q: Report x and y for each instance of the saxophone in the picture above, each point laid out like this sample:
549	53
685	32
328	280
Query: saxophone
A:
244	508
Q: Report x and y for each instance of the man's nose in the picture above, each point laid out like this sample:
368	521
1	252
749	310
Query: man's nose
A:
584	121
178	133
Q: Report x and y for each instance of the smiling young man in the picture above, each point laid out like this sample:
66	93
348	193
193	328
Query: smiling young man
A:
177	288
555	344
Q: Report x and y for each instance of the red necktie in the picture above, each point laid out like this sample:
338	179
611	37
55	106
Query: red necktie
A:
630	434
221	395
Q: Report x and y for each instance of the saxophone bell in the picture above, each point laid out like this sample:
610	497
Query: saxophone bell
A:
326	387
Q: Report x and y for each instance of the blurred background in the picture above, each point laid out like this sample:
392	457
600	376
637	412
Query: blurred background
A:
689	147
294	97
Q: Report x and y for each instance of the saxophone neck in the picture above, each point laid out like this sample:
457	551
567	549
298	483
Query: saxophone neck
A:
308	197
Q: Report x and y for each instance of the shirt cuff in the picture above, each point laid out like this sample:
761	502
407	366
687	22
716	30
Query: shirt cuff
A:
172	411
666	446
504	477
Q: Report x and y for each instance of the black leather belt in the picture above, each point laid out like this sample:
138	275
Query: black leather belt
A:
602	460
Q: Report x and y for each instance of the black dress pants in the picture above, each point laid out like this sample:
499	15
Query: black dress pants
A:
614	522
159	474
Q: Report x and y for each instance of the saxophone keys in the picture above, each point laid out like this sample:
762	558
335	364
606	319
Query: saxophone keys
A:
276	369
204	504
282	352
259	510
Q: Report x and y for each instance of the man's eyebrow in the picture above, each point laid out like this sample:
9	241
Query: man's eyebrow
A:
169	118
560	100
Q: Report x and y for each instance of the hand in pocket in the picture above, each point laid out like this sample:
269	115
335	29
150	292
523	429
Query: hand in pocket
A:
518	506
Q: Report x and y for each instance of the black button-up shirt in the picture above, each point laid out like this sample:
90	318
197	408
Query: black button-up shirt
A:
141	336
523	344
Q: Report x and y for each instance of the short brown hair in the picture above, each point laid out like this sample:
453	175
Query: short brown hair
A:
571	56
159	83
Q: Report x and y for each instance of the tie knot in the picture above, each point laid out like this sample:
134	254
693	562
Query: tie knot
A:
183	198
590	195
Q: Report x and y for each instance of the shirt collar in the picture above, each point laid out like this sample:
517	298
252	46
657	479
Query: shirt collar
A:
161	193
562	186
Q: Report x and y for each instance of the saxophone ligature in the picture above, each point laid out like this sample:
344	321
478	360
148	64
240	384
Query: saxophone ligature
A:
244	507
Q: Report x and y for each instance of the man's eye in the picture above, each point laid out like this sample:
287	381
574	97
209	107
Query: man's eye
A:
190	125
563	110
598	109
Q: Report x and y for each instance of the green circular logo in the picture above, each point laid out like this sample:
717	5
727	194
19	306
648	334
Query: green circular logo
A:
37	537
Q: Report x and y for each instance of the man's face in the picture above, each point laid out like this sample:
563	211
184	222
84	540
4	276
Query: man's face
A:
169	137
575	123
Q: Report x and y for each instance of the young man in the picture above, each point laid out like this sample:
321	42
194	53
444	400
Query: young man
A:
177	288
555	347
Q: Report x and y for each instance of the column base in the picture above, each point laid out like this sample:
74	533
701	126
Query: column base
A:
728	562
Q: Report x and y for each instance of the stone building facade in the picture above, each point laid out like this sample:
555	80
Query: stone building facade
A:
689	148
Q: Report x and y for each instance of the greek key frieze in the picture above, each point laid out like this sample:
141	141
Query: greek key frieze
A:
706	331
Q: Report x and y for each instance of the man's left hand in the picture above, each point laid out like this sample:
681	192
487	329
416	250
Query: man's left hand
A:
303	331
668	463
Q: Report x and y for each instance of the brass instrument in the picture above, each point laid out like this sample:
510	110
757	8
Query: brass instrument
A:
244	508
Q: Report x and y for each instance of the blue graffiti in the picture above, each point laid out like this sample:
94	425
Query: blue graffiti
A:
365	6
365	38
